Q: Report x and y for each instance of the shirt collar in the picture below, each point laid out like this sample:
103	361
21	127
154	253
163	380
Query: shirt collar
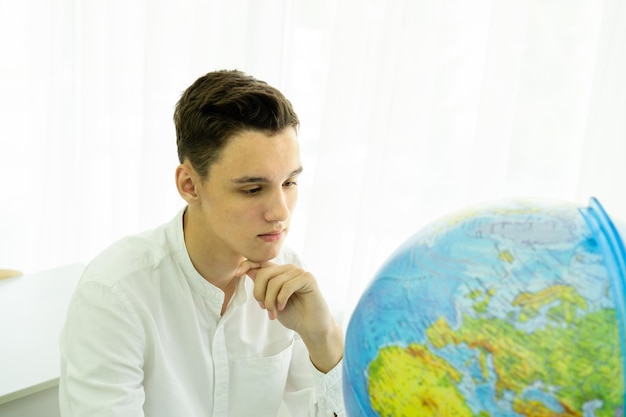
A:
205	289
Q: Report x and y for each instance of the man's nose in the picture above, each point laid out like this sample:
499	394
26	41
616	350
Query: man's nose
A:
278	207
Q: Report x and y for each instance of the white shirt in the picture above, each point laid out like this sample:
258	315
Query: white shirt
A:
144	337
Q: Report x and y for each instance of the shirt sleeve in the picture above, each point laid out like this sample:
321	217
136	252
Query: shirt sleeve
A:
310	392
101	356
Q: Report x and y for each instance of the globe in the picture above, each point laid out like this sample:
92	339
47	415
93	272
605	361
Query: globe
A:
509	308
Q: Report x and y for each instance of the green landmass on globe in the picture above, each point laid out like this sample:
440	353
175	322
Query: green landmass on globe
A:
520	359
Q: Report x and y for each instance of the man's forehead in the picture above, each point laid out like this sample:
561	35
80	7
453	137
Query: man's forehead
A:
259	154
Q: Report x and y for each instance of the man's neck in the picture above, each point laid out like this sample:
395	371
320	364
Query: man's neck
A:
214	266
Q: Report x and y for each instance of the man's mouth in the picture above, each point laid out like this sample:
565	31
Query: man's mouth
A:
272	236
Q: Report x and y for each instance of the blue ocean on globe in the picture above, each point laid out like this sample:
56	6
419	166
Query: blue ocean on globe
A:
511	308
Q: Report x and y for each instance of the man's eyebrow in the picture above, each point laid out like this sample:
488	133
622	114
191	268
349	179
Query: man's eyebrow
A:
264	180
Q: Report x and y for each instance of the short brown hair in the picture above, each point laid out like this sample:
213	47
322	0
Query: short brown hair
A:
220	105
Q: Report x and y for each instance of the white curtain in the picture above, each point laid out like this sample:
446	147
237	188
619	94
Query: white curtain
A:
409	109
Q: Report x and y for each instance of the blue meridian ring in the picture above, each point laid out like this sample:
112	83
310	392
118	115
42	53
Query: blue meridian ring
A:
608	237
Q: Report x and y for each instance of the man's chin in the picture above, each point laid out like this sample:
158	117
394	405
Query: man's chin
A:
263	256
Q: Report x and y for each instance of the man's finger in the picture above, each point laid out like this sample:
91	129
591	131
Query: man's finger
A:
246	267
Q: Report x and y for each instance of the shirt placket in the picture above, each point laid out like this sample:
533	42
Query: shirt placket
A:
219	355
220	364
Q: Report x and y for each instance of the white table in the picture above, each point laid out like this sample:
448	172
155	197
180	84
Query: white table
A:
32	313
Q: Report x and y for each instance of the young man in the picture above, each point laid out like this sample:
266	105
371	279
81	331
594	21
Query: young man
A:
209	315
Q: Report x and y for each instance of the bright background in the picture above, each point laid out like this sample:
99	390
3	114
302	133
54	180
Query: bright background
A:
409	109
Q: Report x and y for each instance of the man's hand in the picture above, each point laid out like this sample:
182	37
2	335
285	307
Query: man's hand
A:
291	295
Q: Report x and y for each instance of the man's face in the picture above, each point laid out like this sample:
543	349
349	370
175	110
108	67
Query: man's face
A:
251	190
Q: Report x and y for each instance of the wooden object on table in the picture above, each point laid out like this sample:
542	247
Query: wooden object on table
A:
9	273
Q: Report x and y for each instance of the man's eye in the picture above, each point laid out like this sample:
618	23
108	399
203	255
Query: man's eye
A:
290	184
252	191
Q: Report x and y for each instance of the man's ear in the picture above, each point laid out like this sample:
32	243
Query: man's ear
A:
186	182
